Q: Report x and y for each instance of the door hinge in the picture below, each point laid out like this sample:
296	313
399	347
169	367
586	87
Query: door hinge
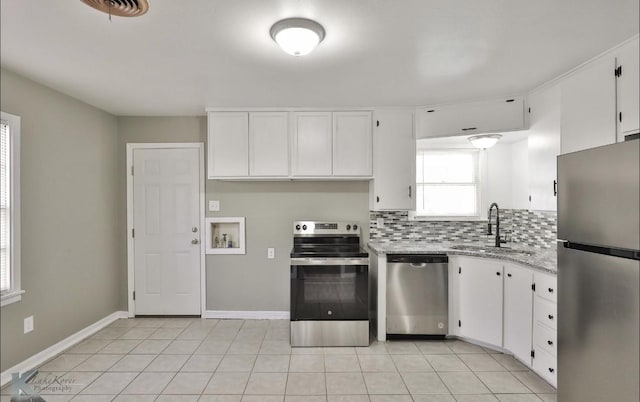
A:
131	170
533	287
533	353
459	323
618	71
133	233
134	295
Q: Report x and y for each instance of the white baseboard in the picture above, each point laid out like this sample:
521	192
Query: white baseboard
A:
247	315
41	357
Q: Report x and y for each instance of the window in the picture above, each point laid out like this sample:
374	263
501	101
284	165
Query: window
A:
10	290
447	183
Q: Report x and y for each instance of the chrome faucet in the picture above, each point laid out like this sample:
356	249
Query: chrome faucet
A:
498	240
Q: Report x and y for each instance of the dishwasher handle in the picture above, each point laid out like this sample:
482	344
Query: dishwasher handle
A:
418	264
418	258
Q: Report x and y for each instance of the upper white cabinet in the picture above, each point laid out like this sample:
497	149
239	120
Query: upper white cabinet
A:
228	144
589	106
471	118
628	73
481	299
268	144
312	144
272	145
352	144
543	147
518	311
394	157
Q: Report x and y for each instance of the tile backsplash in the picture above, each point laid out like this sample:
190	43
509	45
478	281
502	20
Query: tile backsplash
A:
531	228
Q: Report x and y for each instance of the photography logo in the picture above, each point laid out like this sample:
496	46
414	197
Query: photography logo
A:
28	387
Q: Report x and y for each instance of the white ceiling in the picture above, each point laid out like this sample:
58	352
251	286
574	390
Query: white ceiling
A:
183	56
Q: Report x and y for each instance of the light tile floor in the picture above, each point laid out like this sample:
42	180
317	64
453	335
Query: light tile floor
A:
189	359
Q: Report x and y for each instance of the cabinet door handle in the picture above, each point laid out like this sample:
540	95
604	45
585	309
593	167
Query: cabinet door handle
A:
550	316
550	290
377	199
550	343
509	275
551	370
469	128
498	273
555	188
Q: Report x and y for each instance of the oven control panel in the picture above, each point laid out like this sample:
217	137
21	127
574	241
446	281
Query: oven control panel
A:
325	228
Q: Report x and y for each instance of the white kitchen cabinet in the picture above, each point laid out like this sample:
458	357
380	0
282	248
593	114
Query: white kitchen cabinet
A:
228	144
589	106
352	144
518	311
545	327
543	145
312	144
628	84
481	297
394	158
454	294
488	116
268	144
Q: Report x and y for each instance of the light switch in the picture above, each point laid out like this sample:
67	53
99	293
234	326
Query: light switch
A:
214	205
271	253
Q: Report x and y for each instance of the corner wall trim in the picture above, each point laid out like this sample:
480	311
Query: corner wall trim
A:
247	315
41	357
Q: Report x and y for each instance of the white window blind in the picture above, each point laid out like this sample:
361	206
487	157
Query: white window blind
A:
447	183
5	212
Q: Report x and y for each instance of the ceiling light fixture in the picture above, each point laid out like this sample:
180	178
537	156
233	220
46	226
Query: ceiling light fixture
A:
297	36
484	141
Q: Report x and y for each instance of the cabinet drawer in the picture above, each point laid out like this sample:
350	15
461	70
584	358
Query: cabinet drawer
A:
546	366
546	286
545	338
545	312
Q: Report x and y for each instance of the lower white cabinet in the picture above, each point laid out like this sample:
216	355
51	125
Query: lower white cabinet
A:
481	299
506	305
545	327
518	308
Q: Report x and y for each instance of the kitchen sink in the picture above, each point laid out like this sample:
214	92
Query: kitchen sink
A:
489	249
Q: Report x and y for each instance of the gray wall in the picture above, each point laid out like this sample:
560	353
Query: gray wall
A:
251	281
69	210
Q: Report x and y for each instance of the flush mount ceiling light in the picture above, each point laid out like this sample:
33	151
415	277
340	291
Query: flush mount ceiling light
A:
484	141
297	36
120	8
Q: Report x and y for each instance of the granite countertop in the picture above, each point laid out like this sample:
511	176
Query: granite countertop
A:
543	259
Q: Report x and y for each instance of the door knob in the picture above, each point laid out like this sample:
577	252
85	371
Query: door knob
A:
194	229
194	241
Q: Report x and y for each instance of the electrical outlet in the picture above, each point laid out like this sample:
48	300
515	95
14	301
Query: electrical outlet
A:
380	222
271	253
28	324
214	205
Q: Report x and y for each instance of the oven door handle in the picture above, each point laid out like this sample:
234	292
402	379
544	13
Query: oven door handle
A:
329	261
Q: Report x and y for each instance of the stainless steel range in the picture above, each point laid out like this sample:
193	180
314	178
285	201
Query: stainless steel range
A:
329	285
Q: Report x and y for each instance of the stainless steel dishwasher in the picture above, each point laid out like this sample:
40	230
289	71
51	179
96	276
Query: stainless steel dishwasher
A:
417	294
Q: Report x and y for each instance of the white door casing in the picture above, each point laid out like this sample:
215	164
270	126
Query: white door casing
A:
165	204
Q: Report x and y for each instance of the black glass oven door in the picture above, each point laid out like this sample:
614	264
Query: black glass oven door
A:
329	292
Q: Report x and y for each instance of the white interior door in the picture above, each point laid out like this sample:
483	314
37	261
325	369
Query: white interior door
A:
166	222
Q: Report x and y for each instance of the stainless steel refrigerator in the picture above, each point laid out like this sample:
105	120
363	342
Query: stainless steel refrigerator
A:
598	274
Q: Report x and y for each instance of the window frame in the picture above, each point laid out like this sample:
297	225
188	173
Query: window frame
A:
479	181
14	293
